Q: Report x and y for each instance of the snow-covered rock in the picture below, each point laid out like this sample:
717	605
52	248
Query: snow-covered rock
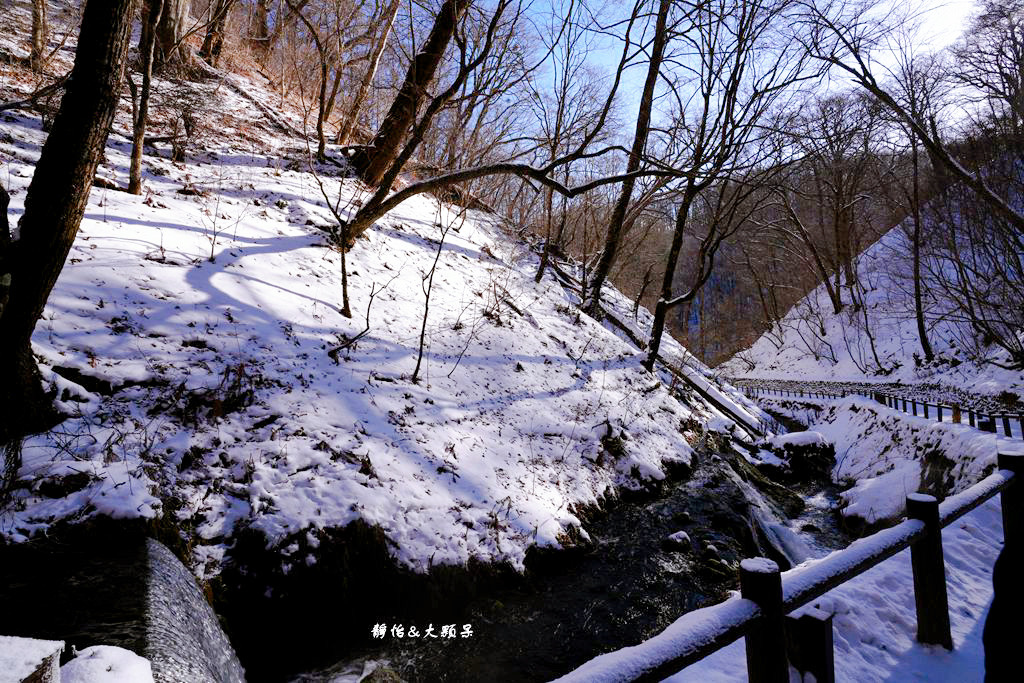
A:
106	664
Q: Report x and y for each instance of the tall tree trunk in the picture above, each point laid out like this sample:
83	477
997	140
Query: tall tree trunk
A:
171	51
661	309
402	115
54	206
213	42
643	122
40	30
922	331
147	42
348	124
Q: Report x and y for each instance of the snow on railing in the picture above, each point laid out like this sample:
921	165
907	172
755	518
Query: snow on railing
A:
1011	424
774	640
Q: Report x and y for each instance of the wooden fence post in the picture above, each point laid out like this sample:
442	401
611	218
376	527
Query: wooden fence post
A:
1012	497
810	646
929	573
938	408
1006	426
925	410
970	417
956	414
761	582
913	406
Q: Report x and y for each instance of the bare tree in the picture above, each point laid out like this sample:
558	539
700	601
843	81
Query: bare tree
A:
54	206
844	36
152	12
382	29
386	145
643	123
213	42
730	76
171	50
40	31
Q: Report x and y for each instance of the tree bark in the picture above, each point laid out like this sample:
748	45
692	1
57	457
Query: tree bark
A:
55	204
643	122
213	42
661	309
171	51
922	330
40	30
402	115
154	10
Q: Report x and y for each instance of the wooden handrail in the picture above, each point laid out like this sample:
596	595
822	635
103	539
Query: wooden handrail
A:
702	632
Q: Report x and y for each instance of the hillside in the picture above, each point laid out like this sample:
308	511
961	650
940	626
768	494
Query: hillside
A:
812	343
195	341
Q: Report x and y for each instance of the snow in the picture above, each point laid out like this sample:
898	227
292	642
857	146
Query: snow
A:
807	438
21	657
759	565
795	350
208	332
106	664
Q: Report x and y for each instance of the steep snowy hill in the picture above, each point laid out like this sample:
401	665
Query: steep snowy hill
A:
195	340
878	342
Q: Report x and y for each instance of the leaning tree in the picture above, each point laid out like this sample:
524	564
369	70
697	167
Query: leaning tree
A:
31	260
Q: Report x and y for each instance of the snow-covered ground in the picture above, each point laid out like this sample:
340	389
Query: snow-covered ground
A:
795	348
195	339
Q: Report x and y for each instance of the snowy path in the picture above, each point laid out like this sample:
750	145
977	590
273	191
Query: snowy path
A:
922	394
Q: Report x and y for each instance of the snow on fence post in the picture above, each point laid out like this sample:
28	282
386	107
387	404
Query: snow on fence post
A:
929	568
761	583
810	645
1012	497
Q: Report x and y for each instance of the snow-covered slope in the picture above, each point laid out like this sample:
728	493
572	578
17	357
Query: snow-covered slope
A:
195	339
795	348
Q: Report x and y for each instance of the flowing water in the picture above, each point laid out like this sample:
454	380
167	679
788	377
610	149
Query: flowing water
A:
627	587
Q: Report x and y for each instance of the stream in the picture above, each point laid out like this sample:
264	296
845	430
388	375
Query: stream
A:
628	586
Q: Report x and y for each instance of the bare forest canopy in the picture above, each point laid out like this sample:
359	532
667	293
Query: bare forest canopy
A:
716	159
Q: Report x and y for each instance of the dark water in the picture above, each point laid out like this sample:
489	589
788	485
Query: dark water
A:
626	588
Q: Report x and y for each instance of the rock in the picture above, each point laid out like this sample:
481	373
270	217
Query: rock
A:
682	517
715	570
28	659
711	552
382	674
677	542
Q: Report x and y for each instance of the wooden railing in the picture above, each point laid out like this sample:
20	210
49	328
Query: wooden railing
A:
773	640
986	421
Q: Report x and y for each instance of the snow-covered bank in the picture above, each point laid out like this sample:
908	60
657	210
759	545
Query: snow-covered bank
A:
195	338
884	454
